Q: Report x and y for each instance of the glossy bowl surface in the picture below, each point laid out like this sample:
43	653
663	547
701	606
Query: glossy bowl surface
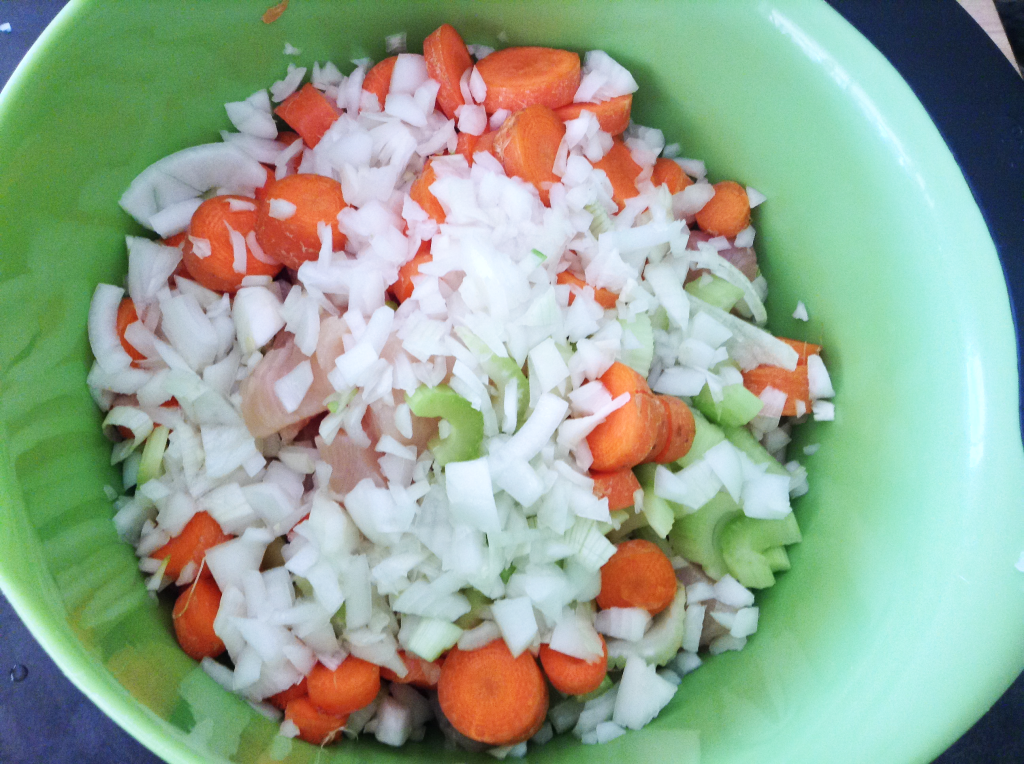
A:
902	619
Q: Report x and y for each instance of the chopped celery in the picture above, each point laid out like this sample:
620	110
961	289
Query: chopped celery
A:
715	291
502	371
747	443
777	558
152	464
705	436
539	254
662	641
601	223
697	536
638	358
744	540
737	407
606	684
477	602
660	319
431	637
660	513
338	619
467	424
305	588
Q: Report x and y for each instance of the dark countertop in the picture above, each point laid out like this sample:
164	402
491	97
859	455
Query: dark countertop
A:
956	72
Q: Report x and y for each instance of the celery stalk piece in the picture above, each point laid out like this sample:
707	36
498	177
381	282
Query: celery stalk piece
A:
501	371
705	436
662	640
744	541
716	291
737	407
432	636
696	537
606	684
747	443
638	358
152	464
777	558
660	513
467	424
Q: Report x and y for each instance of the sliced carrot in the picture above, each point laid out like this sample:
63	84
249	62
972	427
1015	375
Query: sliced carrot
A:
521	77
316	726
670	174
420	193
794	384
297	690
201	533
661	439
625	438
193	615
638	575
308	112
491	697
612	115
728	212
127	315
447	57
803	349
210	222
603	297
273	13
527	143
175	241
378	79
423	674
351	686
680	430
622	172
574	676
486	143
296	239
402	289
618	487
465	144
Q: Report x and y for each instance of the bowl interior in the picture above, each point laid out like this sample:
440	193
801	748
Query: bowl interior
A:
904	585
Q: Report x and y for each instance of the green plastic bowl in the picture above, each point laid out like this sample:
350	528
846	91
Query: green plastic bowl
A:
902	619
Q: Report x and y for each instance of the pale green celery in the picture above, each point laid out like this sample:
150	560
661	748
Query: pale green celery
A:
467	424
152	462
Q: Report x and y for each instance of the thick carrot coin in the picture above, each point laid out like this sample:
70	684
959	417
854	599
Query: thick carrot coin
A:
626	437
378	79
201	533
622	172
669	173
403	288
527	144
420	193
296	239
521	77
193	615
308	112
680	430
486	143
297	690
214	263
175	241
795	384
574	676
638	575
662	437
447	57
603	297
423	674
351	686
491	697
618	487
127	315
612	115
316	726
465	144
728	212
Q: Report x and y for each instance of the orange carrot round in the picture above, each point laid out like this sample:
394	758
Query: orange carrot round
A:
612	115
295	239
618	487
603	297
625	438
354	684
574	676
403	288
527	143
316	726
670	174
127	315
210	222
795	384
297	690
309	113
193	616
486	143
491	697
637	575
521	77
423	674
728	212
175	241
465	144
447	57
201	533
420	193
378	79
661	439
680	430
622	172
